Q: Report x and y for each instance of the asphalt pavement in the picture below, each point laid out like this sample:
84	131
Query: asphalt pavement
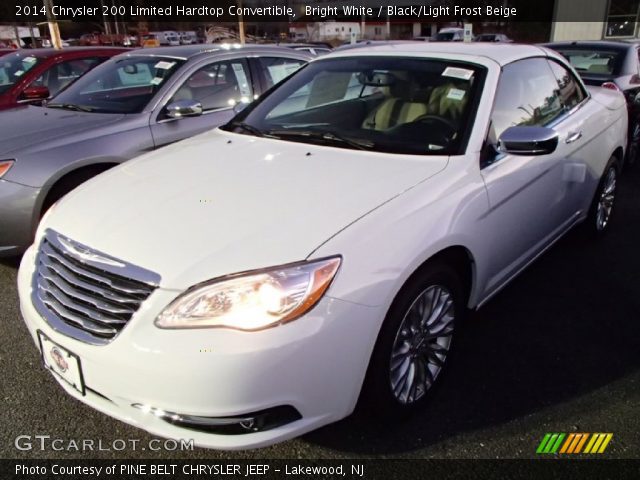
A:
557	351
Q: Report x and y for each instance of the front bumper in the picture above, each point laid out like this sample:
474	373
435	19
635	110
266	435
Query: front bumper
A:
315	364
17	206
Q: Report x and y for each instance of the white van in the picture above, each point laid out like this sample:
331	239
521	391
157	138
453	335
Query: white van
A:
167	38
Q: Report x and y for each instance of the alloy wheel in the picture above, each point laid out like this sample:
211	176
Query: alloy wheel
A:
421	344
606	199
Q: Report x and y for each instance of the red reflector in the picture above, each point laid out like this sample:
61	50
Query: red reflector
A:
611	86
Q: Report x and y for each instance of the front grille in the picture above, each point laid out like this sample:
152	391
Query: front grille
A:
86	294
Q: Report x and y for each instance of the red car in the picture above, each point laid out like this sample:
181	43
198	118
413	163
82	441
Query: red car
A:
33	75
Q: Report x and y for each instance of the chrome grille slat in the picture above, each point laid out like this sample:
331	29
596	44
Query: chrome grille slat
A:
85	294
51	253
69	290
71	305
75	319
62	272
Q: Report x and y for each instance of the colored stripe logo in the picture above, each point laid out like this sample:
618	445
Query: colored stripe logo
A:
573	443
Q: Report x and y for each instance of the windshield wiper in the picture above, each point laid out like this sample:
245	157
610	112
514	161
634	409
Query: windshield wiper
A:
328	137
70	106
248	128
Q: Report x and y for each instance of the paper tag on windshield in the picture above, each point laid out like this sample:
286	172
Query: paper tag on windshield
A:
156	81
17	73
455	72
30	60
164	65
455	94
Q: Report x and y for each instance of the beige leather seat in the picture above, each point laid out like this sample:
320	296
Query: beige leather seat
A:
448	101
404	106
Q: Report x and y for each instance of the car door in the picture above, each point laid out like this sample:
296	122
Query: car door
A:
529	196
578	130
217	86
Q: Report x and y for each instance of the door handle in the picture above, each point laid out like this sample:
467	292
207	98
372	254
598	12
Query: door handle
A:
572	137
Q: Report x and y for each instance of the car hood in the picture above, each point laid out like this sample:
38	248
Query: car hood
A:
33	128
221	203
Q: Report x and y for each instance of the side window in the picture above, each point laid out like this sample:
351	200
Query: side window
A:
276	69
571	93
527	94
62	74
217	85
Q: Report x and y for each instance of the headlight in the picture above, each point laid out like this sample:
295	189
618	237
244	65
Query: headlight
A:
5	165
254	300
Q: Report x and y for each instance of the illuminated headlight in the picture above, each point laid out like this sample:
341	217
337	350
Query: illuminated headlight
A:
254	300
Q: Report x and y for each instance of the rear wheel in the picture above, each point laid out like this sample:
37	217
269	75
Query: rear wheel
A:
414	343
634	144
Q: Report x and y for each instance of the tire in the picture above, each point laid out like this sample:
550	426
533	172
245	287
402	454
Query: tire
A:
408	349
601	212
633	149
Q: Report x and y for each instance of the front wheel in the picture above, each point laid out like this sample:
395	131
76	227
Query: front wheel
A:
414	342
602	206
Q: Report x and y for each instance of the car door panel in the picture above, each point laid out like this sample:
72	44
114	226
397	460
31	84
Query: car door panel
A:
528	195
217	86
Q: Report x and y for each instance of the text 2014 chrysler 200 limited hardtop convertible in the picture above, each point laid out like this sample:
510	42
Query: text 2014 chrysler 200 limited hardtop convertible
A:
256	281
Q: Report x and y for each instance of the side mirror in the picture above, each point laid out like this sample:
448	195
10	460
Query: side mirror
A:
38	92
528	141
184	108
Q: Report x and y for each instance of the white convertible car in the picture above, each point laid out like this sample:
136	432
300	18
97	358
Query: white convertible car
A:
259	280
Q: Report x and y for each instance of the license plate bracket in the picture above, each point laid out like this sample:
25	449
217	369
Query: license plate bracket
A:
61	362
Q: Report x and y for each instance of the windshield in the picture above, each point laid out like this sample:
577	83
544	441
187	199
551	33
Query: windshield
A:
13	66
388	104
120	85
593	60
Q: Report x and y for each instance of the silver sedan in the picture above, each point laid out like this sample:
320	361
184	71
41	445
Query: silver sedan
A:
134	103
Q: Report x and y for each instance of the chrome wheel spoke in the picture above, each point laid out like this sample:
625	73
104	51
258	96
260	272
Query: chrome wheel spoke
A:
421	344
606	200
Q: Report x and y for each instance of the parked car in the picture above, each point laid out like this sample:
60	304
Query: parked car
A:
133	103
31	76
105	39
167	38
613	65
492	37
311	48
319	252
150	40
188	38
4	51
449	34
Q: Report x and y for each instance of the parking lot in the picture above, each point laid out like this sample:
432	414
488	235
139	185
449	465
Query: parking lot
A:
556	351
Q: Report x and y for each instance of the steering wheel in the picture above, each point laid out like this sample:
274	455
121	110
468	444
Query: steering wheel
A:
444	121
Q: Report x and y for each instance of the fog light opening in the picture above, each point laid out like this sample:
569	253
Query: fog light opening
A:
236	425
